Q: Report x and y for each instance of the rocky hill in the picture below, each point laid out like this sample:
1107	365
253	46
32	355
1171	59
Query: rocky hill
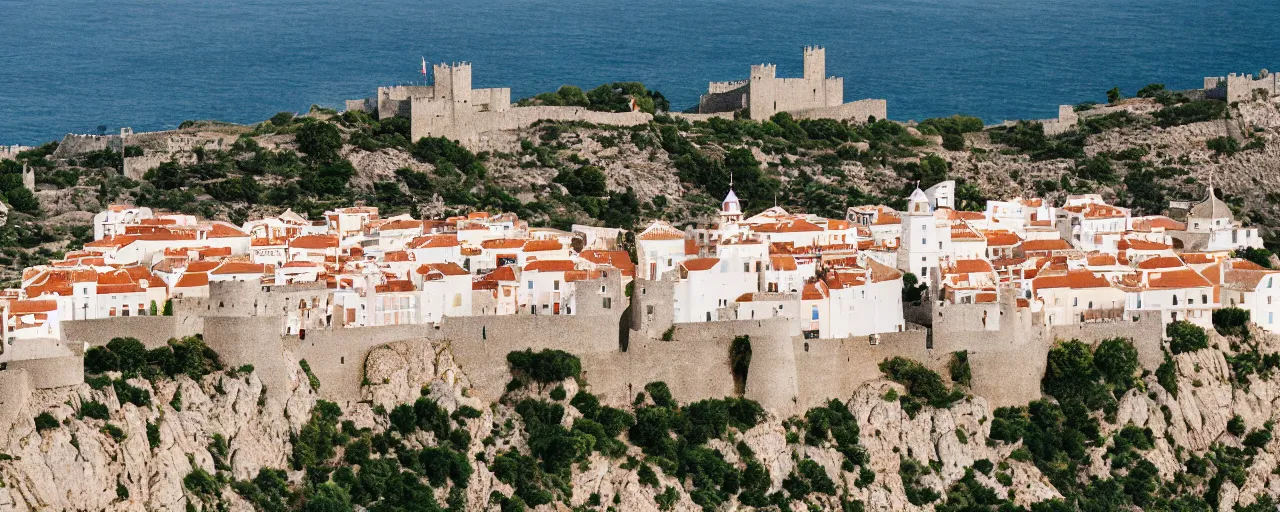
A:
151	431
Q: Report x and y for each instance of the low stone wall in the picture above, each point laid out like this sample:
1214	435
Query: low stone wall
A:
152	331
693	118
53	372
856	111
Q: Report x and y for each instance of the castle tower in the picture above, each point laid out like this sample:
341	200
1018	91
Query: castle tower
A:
815	63
28	177
918	246
453	82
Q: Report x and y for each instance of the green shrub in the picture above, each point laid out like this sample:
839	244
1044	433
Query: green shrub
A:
959	368
1235	426
922	384
311	377
545	366
1226	146
203	485
1167	375
45	421
1192	112
115	432
94	409
1231	321
1185	337
910	472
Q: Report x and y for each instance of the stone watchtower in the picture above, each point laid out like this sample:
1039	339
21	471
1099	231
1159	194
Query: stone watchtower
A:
815	64
453	82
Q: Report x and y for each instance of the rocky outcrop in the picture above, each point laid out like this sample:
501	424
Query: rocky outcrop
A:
80	466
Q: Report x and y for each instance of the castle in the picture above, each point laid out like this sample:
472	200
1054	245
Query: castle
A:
451	108
814	95
1234	87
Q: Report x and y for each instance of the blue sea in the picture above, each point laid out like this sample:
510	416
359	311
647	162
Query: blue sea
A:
75	65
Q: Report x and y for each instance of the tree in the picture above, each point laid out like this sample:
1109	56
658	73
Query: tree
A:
1113	95
1185	336
912	289
131	354
329	498
23	200
319	140
1116	361
1257	255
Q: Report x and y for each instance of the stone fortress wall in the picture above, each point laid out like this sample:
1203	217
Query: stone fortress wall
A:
1240	87
621	348
453	109
812	96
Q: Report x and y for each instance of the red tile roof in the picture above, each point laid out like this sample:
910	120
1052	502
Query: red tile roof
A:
699	264
550	266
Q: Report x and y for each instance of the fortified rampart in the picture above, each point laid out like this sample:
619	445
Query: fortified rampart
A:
451	108
15	391
152	331
621	349
812	96
52	372
1241	87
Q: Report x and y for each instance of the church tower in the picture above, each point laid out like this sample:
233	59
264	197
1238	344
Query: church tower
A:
919	244
730	209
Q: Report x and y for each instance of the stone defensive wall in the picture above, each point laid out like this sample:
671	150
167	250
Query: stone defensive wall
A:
480	345
621	349
52	372
857	111
467	127
834	368
15	391
1147	334
152	331
694	118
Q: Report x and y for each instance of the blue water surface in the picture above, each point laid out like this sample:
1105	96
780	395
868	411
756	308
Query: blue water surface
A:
73	65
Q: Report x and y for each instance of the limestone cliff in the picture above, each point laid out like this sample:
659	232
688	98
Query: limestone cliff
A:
78	464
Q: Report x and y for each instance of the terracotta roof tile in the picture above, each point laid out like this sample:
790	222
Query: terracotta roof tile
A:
699	264
550	266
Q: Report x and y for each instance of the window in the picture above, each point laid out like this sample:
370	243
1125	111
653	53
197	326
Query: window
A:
1204	298
815	312
608	302
530	285
1175	300
555	285
1075	302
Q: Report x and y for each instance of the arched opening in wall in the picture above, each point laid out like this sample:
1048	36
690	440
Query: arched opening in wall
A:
740	362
